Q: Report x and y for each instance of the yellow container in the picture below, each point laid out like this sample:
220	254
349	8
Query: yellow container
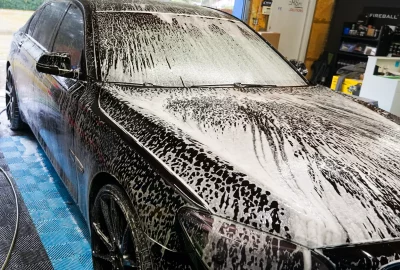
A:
346	84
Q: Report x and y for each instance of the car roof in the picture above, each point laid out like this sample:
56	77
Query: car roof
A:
155	6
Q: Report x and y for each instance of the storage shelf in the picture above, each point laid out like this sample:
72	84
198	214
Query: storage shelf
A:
381	44
354	54
361	38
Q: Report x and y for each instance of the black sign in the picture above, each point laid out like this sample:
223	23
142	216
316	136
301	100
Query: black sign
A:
266	3
382	16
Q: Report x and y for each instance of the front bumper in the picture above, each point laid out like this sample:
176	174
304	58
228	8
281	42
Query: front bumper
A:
369	256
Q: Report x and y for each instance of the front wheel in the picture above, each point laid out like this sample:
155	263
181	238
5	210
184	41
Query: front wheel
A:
13	112
116	239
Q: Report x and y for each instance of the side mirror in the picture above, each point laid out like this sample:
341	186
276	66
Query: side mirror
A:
58	64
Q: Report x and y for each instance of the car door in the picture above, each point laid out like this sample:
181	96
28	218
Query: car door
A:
38	42
57	95
23	63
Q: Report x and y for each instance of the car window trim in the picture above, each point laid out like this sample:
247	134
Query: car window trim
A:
95	38
62	20
51	40
83	55
37	13
31	37
40	11
37	43
53	37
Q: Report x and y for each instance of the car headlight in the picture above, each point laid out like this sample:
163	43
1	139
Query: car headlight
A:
218	243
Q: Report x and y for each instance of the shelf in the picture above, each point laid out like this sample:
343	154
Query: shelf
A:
354	54
361	38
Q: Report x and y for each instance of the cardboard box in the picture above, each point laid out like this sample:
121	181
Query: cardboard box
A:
346	84
271	37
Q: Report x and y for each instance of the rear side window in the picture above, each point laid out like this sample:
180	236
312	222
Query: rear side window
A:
70	36
33	22
48	21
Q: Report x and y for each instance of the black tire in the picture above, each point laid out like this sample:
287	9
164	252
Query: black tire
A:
13	112
112	217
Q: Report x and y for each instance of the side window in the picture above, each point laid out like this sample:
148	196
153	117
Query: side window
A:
48	21
70	36
33	22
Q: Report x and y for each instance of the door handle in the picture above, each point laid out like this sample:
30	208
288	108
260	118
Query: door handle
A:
20	44
72	155
76	161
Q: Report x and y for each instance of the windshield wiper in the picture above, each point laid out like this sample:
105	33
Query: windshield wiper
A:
235	85
255	85
146	84
232	85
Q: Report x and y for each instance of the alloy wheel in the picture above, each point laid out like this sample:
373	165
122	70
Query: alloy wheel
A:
113	242
13	112
10	96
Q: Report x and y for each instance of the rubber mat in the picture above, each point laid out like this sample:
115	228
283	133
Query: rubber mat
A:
28	252
57	219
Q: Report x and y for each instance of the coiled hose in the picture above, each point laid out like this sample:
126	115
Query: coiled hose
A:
3	267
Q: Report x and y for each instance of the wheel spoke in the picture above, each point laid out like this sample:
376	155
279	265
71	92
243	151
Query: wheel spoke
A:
107	219
9	87
127	249
114	220
125	240
8	84
107	257
8	111
117	223
129	263
102	236
9	90
12	106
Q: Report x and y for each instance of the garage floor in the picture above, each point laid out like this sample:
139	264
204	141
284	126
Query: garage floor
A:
29	252
52	233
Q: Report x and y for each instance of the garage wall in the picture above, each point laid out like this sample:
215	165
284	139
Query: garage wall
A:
255	12
319	31
348	11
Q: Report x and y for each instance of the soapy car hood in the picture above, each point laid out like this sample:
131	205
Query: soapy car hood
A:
305	163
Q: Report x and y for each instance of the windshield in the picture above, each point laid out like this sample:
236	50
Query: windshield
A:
186	50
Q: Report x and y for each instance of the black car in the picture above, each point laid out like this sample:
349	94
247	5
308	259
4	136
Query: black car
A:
190	143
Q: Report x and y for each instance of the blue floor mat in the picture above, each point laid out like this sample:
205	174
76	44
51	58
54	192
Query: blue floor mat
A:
57	219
